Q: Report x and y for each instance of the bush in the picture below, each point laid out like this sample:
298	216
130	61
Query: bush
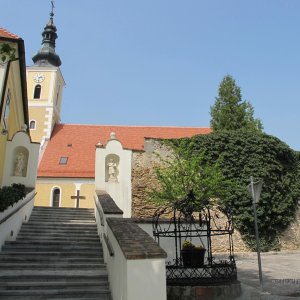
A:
11	194
265	157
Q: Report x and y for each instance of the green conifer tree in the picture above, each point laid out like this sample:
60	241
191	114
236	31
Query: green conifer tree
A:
229	111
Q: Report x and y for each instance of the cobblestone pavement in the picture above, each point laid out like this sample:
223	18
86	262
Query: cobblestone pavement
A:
281	276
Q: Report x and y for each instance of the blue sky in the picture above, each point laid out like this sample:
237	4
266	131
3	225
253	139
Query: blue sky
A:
160	62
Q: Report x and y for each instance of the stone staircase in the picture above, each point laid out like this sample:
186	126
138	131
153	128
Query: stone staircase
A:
57	255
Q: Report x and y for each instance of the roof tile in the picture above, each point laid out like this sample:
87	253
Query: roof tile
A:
81	155
6	34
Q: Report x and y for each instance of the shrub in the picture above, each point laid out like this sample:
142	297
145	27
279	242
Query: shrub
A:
11	194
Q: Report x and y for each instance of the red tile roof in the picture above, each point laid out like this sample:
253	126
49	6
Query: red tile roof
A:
83	138
6	34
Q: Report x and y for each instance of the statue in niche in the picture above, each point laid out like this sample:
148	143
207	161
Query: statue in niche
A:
112	171
19	164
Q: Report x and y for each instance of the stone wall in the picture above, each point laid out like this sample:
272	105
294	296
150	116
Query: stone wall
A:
143	179
143	176
290	240
220	243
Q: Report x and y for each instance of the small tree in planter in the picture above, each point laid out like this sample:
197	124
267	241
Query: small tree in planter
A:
192	256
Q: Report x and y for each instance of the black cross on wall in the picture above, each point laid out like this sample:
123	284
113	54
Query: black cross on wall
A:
77	197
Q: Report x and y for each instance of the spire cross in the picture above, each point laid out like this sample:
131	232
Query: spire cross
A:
52	7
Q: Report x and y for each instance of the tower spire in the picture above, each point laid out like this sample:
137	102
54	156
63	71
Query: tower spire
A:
52	13
46	55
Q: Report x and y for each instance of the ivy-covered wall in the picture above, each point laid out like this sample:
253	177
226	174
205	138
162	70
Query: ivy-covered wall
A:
245	154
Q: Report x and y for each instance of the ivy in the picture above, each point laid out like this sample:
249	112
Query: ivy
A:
7	52
252	153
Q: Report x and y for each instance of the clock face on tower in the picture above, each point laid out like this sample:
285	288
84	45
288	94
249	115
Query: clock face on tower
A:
38	77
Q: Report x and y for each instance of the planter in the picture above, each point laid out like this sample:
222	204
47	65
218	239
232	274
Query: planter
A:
193	257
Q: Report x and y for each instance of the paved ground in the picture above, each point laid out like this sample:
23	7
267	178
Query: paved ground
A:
281	275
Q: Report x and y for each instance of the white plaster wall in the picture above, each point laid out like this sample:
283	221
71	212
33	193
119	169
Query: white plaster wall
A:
2	73
120	191
146	279
21	139
116	267
102	229
135	279
11	227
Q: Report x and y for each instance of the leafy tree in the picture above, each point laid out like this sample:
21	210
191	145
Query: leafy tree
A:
251	153
229	111
189	176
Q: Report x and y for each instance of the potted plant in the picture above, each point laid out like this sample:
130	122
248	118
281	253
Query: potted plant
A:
192	256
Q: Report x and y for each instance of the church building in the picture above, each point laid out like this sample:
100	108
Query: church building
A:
75	159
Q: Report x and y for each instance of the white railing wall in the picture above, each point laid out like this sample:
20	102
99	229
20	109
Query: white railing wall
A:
12	218
101	217
135	263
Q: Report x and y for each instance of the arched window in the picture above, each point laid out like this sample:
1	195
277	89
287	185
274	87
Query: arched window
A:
32	125
55	197
37	92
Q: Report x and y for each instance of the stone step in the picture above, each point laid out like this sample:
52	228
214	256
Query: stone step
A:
43	248
57	297
60	217
74	212
50	284
95	291
63	209
61	225
66	232
50	259
36	242
59	229
101	297
53	276
61	221
50	266
57	255
56	236
71	211
79	224
53	254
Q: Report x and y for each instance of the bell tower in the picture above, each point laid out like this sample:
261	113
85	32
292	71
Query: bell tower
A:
45	84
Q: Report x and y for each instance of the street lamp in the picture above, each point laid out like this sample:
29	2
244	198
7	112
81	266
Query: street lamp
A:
254	189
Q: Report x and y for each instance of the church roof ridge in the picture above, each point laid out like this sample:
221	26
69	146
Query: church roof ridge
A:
135	126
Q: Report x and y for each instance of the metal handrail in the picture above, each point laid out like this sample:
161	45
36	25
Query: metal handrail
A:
99	210
105	238
108	245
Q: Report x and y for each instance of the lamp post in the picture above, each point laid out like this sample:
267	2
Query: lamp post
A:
255	189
